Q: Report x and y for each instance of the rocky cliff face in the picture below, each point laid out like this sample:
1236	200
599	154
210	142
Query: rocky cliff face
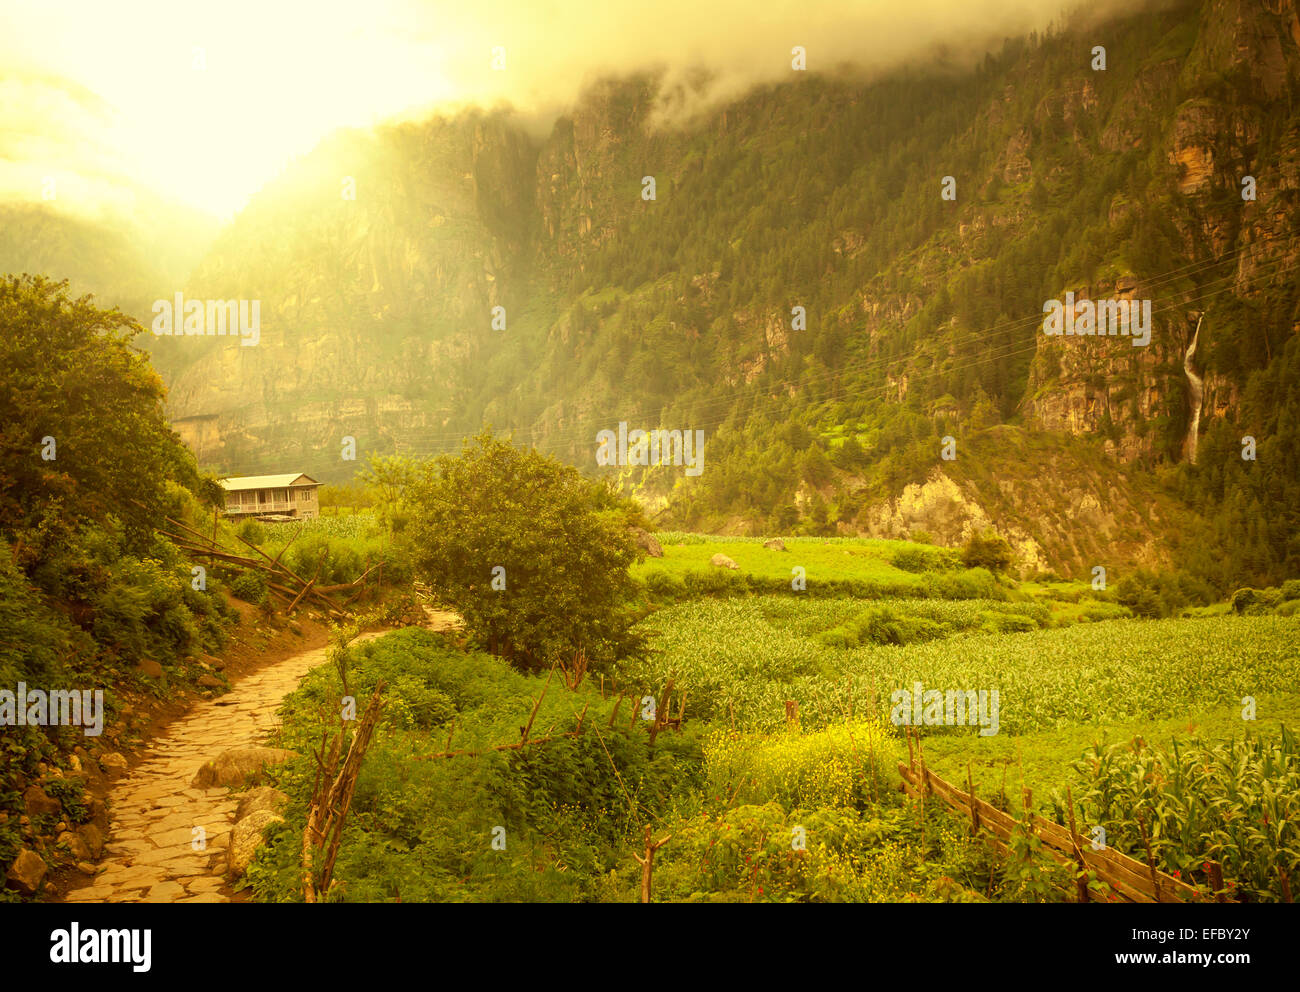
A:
1227	244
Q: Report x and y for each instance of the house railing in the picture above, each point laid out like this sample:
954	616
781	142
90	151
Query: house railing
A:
270	506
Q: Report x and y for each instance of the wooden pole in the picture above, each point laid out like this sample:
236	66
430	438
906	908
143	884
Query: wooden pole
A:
1151	861
536	706
1215	871
1081	882
647	862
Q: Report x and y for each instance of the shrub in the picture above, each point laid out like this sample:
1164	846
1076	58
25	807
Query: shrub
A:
1253	602
915	560
252	532
250	587
835	767
988	550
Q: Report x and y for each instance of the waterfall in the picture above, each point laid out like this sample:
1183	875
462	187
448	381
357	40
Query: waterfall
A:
1195	387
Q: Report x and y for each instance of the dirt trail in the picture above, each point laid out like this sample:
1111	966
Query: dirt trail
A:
151	853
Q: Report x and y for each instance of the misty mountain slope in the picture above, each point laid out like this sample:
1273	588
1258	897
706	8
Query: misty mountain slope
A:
126	261
923	315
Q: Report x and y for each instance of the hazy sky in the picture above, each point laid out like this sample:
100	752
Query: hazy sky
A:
206	101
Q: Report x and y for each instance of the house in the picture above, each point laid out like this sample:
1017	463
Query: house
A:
270	496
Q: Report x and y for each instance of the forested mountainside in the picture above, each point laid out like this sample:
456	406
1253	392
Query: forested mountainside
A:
921	315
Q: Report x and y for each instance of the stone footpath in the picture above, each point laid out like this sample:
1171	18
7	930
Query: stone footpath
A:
151	854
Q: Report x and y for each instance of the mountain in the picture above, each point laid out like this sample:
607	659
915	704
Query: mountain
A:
923	315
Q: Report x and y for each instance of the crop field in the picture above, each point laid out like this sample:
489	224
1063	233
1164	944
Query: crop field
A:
743	658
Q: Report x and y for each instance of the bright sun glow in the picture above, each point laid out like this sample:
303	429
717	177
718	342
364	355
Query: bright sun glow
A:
212	103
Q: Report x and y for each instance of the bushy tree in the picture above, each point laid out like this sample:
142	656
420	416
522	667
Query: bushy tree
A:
988	550
533	556
82	429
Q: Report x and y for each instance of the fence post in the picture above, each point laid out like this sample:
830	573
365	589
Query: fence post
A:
1082	881
1215	871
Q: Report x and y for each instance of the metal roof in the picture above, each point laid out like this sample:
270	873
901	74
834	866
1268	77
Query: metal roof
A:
267	481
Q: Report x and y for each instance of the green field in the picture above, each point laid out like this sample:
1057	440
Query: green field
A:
1141	720
824	559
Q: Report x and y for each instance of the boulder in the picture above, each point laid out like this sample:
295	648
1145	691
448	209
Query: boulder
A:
775	543
238	766
722	561
114	765
38	803
246	837
210	682
261	798
92	837
26	873
77	847
647	541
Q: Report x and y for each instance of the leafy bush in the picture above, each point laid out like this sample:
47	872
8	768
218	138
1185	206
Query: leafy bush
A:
921	560
1254	602
843	766
988	550
252	532
250	586
421	829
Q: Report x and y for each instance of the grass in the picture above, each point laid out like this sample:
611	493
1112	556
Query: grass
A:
824	559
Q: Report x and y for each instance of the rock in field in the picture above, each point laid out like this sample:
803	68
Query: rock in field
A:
246	838
26	873
38	803
722	561
76	846
646	540
93	838
114	765
775	543
237	766
261	798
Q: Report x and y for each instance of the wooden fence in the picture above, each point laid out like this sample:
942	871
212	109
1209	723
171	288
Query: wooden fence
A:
1132	880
